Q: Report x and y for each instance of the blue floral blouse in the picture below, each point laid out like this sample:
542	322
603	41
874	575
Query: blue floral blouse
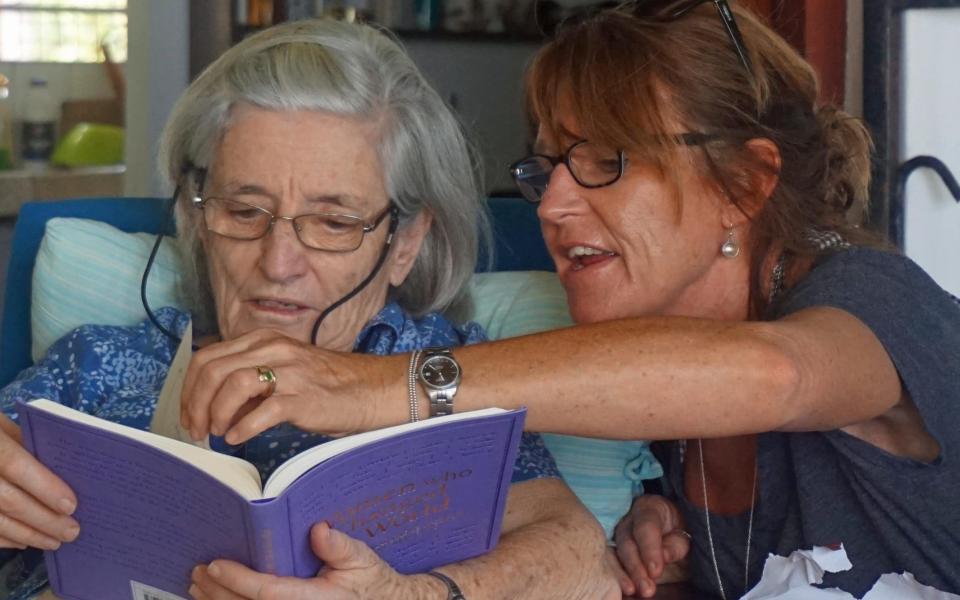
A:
116	373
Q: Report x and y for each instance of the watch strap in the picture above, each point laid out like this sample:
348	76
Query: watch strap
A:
440	405
453	590
440	400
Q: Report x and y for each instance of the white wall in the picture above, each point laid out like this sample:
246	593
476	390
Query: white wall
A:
157	73
930	99
65	81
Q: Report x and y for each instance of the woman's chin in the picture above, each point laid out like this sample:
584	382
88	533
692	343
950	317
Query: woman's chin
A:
583	313
297	329
597	310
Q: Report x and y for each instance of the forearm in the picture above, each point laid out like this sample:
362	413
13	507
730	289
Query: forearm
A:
634	379
557	556
675	378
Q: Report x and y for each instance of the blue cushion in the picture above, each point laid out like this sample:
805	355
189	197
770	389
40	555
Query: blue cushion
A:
128	214
518	243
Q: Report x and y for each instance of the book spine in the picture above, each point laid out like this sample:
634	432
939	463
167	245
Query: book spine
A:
271	545
509	458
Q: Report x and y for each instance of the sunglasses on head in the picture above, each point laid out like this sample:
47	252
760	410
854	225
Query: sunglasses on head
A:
666	11
670	11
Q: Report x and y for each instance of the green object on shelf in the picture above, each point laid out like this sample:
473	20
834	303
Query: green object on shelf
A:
90	144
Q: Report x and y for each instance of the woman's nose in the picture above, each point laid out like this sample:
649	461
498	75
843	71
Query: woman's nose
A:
283	256
560	199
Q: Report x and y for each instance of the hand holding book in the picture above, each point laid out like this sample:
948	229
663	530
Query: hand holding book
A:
38	504
351	569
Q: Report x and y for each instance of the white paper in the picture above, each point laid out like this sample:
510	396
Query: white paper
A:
166	415
792	578
892	585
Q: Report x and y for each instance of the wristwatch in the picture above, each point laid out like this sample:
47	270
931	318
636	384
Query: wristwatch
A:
453	590
439	373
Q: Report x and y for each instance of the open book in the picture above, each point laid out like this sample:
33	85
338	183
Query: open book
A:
151	508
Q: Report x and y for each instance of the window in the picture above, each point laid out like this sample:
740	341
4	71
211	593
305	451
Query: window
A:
62	30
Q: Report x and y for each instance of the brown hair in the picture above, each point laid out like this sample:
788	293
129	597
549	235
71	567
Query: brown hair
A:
625	79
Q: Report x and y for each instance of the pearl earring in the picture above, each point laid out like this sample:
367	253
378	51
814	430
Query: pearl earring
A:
730	248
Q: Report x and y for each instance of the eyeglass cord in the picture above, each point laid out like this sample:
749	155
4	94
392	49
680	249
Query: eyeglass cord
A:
146	274
394	221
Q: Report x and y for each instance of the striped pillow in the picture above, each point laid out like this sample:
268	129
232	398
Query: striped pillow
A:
514	303
88	272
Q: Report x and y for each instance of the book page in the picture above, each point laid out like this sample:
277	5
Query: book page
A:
291	470
233	472
166	416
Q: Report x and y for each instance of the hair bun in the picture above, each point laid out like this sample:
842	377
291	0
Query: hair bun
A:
847	168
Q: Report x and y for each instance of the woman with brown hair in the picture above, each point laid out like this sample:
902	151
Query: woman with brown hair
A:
704	213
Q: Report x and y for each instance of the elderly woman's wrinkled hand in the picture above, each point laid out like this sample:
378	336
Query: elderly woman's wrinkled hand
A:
651	543
225	393
351	571
35	504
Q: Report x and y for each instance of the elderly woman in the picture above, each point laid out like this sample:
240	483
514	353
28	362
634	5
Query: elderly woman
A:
703	211
317	171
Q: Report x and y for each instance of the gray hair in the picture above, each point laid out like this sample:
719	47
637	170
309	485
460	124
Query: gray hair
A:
351	70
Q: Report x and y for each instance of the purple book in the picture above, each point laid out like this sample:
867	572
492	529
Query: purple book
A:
151	508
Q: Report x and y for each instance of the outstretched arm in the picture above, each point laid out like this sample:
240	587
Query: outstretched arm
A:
648	378
550	548
675	378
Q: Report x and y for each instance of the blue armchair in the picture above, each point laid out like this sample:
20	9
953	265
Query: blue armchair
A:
518	246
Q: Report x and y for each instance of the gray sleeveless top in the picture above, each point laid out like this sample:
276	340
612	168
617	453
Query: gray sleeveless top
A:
825	488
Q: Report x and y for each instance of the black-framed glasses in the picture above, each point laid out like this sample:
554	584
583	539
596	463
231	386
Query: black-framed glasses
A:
591	164
674	9
330	232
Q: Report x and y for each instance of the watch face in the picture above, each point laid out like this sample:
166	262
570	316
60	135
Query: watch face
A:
440	372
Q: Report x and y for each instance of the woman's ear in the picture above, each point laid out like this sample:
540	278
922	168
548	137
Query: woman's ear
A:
406	247
754	181
765	171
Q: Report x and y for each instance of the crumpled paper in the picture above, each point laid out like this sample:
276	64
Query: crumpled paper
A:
790	578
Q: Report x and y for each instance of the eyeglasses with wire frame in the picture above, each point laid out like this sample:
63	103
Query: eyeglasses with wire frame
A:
592	165
330	232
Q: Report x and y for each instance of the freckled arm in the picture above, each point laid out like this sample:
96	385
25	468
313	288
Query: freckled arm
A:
673	377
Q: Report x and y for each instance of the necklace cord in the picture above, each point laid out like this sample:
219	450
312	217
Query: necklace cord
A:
706	515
